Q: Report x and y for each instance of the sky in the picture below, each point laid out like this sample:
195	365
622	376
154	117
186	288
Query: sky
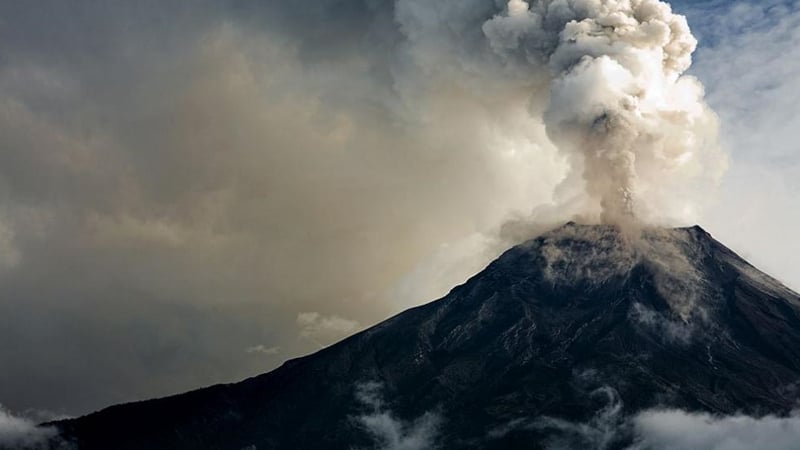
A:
753	85
195	192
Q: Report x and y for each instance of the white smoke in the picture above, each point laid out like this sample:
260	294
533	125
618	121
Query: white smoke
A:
575	254
604	78
618	97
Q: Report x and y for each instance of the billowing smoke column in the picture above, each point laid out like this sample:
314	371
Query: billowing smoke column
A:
619	103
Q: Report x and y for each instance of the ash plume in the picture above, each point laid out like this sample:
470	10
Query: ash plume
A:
619	102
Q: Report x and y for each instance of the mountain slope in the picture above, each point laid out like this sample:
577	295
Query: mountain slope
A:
580	321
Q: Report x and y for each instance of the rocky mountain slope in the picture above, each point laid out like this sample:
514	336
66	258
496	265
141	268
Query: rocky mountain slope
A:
575	328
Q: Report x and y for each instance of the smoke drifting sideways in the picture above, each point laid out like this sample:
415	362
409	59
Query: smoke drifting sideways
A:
215	177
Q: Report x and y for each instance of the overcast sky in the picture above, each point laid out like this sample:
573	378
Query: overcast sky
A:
194	192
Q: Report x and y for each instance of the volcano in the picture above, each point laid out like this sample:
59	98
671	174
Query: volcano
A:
581	325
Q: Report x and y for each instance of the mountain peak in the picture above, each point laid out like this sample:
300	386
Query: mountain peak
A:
575	256
580	314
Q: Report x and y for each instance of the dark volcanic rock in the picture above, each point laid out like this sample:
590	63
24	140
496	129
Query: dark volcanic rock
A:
579	319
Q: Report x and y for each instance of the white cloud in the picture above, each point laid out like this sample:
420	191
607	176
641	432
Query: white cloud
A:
680	430
599	433
389	432
324	329
20	433
660	429
263	349
605	429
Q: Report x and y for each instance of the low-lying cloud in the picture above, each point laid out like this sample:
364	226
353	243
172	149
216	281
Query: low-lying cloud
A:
18	433
390	432
659	428
681	430
324	329
604	429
